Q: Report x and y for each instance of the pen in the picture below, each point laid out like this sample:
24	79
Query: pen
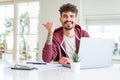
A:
41	63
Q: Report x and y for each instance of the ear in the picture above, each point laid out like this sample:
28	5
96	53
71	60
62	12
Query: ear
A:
76	19
60	19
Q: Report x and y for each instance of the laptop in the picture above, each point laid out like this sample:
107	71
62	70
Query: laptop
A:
95	53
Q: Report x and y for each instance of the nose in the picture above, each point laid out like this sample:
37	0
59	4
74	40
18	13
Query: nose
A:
68	18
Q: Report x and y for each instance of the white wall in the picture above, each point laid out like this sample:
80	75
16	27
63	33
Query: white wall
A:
101	9
50	9
49	12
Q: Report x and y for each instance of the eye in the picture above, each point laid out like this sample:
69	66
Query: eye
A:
65	16
72	16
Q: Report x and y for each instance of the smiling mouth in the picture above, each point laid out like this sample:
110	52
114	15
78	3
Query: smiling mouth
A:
68	22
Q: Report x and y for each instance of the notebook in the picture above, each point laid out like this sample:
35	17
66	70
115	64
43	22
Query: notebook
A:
22	67
95	53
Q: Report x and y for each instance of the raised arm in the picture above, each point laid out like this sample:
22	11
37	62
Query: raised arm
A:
48	48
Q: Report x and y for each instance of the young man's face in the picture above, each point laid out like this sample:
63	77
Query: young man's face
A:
68	20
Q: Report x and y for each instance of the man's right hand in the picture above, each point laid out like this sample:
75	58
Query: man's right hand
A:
64	60
50	26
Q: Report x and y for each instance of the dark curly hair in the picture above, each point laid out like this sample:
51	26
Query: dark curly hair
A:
68	7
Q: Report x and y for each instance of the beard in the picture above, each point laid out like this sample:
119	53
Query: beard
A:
68	27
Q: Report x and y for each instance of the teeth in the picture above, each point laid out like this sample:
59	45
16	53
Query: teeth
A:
68	22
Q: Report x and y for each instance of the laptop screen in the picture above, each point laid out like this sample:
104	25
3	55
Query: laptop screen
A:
96	52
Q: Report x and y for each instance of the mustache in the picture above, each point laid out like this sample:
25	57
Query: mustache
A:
68	21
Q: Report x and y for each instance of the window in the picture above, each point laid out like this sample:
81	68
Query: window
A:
6	28
28	34
19	27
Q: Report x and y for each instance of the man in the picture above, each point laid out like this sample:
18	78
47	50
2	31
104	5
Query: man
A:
63	42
